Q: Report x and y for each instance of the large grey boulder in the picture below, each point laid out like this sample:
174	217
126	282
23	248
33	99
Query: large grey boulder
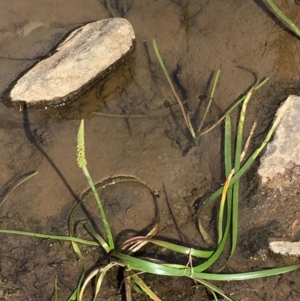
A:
80	60
285	147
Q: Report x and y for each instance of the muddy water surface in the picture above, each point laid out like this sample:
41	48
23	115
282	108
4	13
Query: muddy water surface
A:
138	131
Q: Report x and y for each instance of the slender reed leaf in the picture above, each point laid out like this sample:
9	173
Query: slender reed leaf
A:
212	94
23	179
185	116
144	287
210	128
222	205
160	269
249	162
96	272
210	261
173	247
98	237
76	292
50	236
228	164
227	145
214	289
237	164
284	18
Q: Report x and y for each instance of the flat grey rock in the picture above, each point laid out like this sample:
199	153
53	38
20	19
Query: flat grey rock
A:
80	60
285	147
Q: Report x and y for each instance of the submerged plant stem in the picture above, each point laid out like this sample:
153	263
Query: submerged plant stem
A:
100	206
210	128
284	18
212	94
237	164
27	177
82	163
50	236
249	161
185	116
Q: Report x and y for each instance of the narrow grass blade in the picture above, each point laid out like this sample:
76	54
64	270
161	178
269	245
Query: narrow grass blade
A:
237	164
210	261
214	289
227	145
138	244
222	205
161	269
210	128
228	165
247	275
226	190
144	287
50	236
284	18
249	162
98	237
247	143
76	292
129	284
101	209
86	282
75	245
24	179
173	247
149	267
73	297
212	95
214	295
96	272
101	277
239	139
185	116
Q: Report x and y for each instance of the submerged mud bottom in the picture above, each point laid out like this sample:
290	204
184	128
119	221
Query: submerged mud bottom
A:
135	134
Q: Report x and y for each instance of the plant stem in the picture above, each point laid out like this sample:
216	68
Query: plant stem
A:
212	94
101	209
249	161
27	177
185	116
237	165
209	128
284	18
50	236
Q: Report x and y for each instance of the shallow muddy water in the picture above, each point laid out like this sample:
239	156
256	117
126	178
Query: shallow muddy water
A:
138	131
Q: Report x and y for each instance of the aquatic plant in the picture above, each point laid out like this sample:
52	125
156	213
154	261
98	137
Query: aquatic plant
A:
197	131
126	255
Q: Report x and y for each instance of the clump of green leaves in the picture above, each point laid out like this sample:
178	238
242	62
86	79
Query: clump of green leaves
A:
125	256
